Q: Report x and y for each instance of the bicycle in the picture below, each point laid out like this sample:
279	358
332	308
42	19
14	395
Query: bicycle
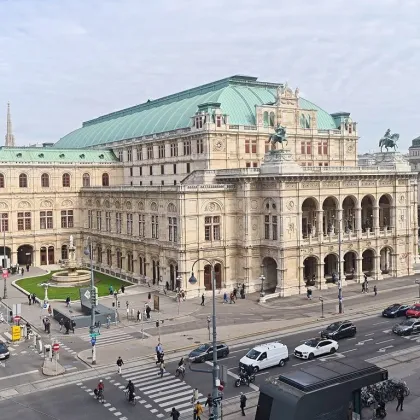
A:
99	395
180	372
133	402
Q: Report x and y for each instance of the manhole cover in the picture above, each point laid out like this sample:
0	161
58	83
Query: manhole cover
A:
190	338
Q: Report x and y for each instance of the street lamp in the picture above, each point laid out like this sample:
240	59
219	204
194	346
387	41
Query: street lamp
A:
418	282
321	299
262	278
215	369
89	251
340	291
4	259
178	280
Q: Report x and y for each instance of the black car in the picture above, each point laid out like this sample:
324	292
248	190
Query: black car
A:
340	329
205	352
395	310
4	351
407	327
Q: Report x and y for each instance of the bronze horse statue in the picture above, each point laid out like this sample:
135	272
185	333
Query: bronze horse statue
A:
279	136
389	141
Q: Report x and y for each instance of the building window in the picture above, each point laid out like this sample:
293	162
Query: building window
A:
99	253
255	164
151	182
90	219
212	228
119	258
67	219
64	252
174	181
130	267
270	227
155	227
162	169
118	222
248	164
131	171
173	229
4	222
86	180
162	182
120	155
274	227
266	227
24	220
139	151
323	148
1	181
161	151
142	225
305	148
200	146
23	181
66	180
129	223
174	168
130	154
109	257
247	146
45	181
150	152
141	265
105	180
199	121
99	220
46	219
141	171
187	147
108	221
188	168
151	170
218	120
174	149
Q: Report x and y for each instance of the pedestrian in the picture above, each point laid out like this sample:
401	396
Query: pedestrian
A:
175	414
49	310
122	289
30	299
47	325
138	315
33	298
148	310
161	367
119	364
235	292
159	352
22	271
198	410
363	287
400	399
67	325
375	290
232	298
108	321
242	403
44	321
194	397
27	268
225	299
309	293
61	324
202	299
209	403
67	301
73	325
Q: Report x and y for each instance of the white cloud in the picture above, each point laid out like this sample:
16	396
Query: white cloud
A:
69	61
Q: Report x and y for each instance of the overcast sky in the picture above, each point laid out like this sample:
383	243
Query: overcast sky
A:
66	61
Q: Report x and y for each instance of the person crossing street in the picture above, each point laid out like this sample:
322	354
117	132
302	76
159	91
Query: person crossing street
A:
242	403
119	364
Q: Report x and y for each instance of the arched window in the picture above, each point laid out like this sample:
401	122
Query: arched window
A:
271	119
105	180
119	259
45	181
1	181
66	180
86	180
109	257
130	262
64	252
141	265
265	119
23	181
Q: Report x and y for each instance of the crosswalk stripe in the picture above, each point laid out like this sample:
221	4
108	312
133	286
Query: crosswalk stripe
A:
178	406
163	382
144	375
187	410
169	391
178	394
135	370
187	398
150	381
174	385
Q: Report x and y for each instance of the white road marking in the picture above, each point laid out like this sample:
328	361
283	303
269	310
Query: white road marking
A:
348	351
361	343
107	405
19	374
386	331
112	409
117	414
262	373
383	349
386	341
379	323
302	363
367	335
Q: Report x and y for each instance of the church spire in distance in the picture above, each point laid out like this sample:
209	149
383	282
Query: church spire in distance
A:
10	138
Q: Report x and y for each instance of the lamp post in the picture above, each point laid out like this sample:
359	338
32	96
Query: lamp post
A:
262	278
4	259
215	369
179	279
88	252
340	290
418	282
321	299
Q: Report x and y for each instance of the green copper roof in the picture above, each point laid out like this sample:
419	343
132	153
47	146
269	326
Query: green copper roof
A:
237	95
48	155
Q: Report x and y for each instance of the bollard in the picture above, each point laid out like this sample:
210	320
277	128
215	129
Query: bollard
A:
38	343
48	351
23	331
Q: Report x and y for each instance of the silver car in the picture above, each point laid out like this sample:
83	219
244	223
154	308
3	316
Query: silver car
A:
407	327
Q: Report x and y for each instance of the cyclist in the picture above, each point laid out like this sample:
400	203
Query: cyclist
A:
181	362
130	387
100	389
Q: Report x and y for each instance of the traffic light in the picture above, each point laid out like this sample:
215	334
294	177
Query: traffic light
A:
118	303
93	298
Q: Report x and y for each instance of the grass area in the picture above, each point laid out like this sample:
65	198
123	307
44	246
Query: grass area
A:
102	282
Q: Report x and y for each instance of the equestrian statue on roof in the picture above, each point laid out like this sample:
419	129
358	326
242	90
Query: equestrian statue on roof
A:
279	136
389	141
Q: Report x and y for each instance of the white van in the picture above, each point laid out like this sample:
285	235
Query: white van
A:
265	356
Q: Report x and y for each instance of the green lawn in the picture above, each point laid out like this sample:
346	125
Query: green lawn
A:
102	282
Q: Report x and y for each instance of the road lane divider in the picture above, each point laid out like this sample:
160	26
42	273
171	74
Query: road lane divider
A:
361	343
348	351
384	349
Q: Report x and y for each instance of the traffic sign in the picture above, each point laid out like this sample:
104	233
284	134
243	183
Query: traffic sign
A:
17	318
5	273
45	305
217	399
93	341
87	294
56	347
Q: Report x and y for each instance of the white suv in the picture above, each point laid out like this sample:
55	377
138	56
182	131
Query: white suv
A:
316	347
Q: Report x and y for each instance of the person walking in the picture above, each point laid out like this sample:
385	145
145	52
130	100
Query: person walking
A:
61	324
148	310
194	397
22	271
400	399
375	290
161	367
174	414
225	298
33	298
30	299
309	293
363	287
209	403
202	299
198	410
119	364
47	326
108	321
242	402
159	351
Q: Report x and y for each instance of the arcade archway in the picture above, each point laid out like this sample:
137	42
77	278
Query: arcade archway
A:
368	261
310	272
25	254
309	208
270	273
350	264
330	266
329	206
386	260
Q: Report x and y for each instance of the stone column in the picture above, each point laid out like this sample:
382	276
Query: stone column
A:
359	272
320	219
392	222
322	284
376	220
377	274
343	274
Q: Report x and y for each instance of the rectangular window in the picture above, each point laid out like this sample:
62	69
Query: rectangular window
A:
187	147
199	122
266	227
120	155
142	225
325	147
188	168
162	182
254	146
139	151
248	164
172	229
131	171
141	182
99	220
151	182
67	219
161	151
90	219
118	222
255	164
155	227
151	170
46	219
308	148
319	148
162	169
141	170
24	220
129	224
247	146
174	149
274	227
212	228
200	146
150	152
130	154
174	168
4	222
302	148
108	221
174	181
218	120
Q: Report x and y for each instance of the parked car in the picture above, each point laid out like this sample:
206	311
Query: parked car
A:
4	351
265	356
205	352
340	329
407	327
395	310
413	311
316	347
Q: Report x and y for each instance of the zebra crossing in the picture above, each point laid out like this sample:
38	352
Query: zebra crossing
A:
158	394
413	337
108	337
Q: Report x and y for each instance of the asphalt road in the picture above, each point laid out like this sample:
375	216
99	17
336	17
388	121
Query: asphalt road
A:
374	337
